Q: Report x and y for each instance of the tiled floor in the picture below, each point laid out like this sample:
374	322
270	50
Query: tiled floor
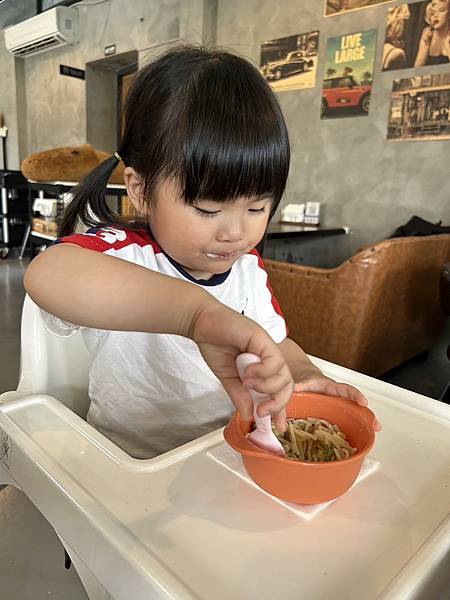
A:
31	556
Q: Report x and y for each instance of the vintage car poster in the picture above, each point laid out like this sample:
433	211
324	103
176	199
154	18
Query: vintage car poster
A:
417	35
290	63
420	108
348	74
338	7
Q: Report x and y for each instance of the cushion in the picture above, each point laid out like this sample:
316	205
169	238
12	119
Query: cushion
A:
67	164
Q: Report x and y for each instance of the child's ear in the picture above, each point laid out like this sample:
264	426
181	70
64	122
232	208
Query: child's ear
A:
135	190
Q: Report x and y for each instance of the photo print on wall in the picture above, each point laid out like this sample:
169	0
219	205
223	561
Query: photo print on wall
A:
348	75
339	7
420	108
417	35
290	63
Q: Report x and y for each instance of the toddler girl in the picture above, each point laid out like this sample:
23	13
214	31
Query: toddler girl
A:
181	288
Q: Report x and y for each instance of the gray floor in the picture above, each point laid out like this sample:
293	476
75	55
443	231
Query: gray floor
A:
427	374
31	556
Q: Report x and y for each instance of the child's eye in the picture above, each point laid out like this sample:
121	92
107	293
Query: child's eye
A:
206	213
256	211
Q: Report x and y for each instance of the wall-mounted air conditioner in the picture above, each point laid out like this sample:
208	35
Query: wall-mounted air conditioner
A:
50	29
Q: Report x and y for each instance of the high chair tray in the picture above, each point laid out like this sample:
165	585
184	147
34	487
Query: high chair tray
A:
182	526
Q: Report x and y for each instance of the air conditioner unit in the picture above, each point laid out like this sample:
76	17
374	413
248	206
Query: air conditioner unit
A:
50	29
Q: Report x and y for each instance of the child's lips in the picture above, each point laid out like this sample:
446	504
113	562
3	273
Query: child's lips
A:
223	256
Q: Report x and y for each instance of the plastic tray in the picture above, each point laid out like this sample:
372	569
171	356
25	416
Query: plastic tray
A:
182	526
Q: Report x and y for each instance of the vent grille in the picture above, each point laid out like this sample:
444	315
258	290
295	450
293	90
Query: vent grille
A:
39	46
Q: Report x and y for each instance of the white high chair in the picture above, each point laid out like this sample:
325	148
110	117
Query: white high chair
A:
182	526
66	468
53	378
51	365
58	367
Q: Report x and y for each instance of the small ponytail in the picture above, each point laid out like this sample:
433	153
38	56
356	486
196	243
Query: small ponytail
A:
89	199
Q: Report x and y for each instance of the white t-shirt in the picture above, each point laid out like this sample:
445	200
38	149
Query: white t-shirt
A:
153	392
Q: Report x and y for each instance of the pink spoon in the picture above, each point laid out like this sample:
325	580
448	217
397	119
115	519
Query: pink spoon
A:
262	436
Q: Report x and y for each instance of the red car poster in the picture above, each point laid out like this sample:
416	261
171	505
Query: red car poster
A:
348	75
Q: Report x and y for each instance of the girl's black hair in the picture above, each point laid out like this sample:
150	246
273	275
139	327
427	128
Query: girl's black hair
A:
207	118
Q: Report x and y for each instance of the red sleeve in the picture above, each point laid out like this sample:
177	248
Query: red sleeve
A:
102	239
275	303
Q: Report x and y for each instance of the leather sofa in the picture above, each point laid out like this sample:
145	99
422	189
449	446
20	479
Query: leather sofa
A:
374	311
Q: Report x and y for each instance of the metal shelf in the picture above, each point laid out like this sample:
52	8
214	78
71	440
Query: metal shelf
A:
13	207
54	189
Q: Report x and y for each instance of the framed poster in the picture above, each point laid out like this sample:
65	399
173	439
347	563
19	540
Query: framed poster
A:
339	7
417	35
290	63
348	75
420	108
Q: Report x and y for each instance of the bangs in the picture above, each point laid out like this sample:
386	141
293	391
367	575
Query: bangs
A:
231	141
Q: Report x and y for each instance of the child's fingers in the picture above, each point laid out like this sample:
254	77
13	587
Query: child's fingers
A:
270	385
280	420
268	367
332	388
347	391
276	403
377	426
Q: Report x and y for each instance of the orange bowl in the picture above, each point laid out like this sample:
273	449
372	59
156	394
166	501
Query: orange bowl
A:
306	482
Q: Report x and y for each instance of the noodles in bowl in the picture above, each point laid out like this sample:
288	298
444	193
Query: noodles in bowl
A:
314	440
303	481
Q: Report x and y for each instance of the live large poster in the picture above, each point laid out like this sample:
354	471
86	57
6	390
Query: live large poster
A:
417	35
290	63
420	108
348	74
337	7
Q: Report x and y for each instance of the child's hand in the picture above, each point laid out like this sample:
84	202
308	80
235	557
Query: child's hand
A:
221	335
324	385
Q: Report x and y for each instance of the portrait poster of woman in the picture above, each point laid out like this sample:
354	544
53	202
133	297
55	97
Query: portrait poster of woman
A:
417	35
338	7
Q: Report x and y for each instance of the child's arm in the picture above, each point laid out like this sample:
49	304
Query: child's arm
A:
95	290
300	365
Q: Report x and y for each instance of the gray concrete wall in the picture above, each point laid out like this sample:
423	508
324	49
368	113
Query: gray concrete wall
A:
365	182
8	103
58	102
55	105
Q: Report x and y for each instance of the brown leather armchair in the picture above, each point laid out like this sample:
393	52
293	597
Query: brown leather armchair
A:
371	313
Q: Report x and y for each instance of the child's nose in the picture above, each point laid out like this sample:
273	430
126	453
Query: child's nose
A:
232	232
